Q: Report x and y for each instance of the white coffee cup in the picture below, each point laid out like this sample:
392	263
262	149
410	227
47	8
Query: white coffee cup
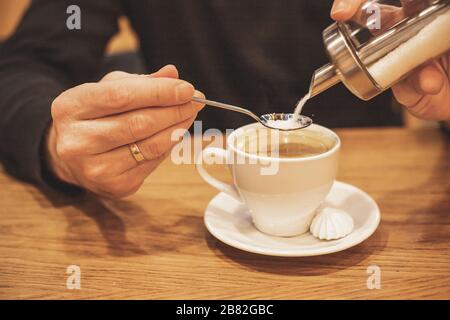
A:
281	203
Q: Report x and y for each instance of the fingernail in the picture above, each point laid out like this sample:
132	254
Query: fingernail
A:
200	95
184	92
340	6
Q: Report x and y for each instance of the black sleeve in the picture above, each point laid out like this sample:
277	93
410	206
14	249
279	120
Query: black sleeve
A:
37	63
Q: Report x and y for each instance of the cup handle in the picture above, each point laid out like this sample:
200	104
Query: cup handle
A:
223	156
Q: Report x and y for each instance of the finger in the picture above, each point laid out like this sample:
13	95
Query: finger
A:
162	142
120	159
94	100
130	181
406	93
362	13
428	79
426	93
111	132
343	10
432	107
411	7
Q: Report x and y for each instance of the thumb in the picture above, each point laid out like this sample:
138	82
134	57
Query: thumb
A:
168	71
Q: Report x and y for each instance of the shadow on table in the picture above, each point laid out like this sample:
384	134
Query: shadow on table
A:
122	227
109	223
305	266
82	236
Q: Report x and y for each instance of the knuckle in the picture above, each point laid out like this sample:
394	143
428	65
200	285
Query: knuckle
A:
153	149
93	173
121	189
132	190
59	106
66	149
187	111
56	108
113	75
161	92
137	126
118	96
179	113
62	151
158	95
126	192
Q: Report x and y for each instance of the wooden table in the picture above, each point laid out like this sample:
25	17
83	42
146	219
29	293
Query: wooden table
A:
154	244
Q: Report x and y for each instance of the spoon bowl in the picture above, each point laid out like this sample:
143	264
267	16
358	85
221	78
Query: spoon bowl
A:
285	121
277	121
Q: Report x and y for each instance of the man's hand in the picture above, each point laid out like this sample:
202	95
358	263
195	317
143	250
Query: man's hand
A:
426	91
94	123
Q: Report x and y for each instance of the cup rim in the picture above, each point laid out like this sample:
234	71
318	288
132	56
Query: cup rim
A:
327	153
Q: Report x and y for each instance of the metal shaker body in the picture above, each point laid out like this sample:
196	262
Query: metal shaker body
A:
376	32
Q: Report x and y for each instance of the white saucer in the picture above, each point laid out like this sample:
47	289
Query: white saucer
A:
229	221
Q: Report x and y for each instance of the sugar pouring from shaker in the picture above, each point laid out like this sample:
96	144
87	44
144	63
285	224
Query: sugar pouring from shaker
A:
381	44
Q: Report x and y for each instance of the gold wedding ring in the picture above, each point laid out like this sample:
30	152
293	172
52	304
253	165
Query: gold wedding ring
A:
137	154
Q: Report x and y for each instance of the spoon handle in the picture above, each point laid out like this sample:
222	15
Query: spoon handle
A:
227	107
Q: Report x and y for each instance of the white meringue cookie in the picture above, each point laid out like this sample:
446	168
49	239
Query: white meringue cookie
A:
331	223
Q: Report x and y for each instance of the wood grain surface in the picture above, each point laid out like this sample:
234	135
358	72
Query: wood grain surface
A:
154	244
